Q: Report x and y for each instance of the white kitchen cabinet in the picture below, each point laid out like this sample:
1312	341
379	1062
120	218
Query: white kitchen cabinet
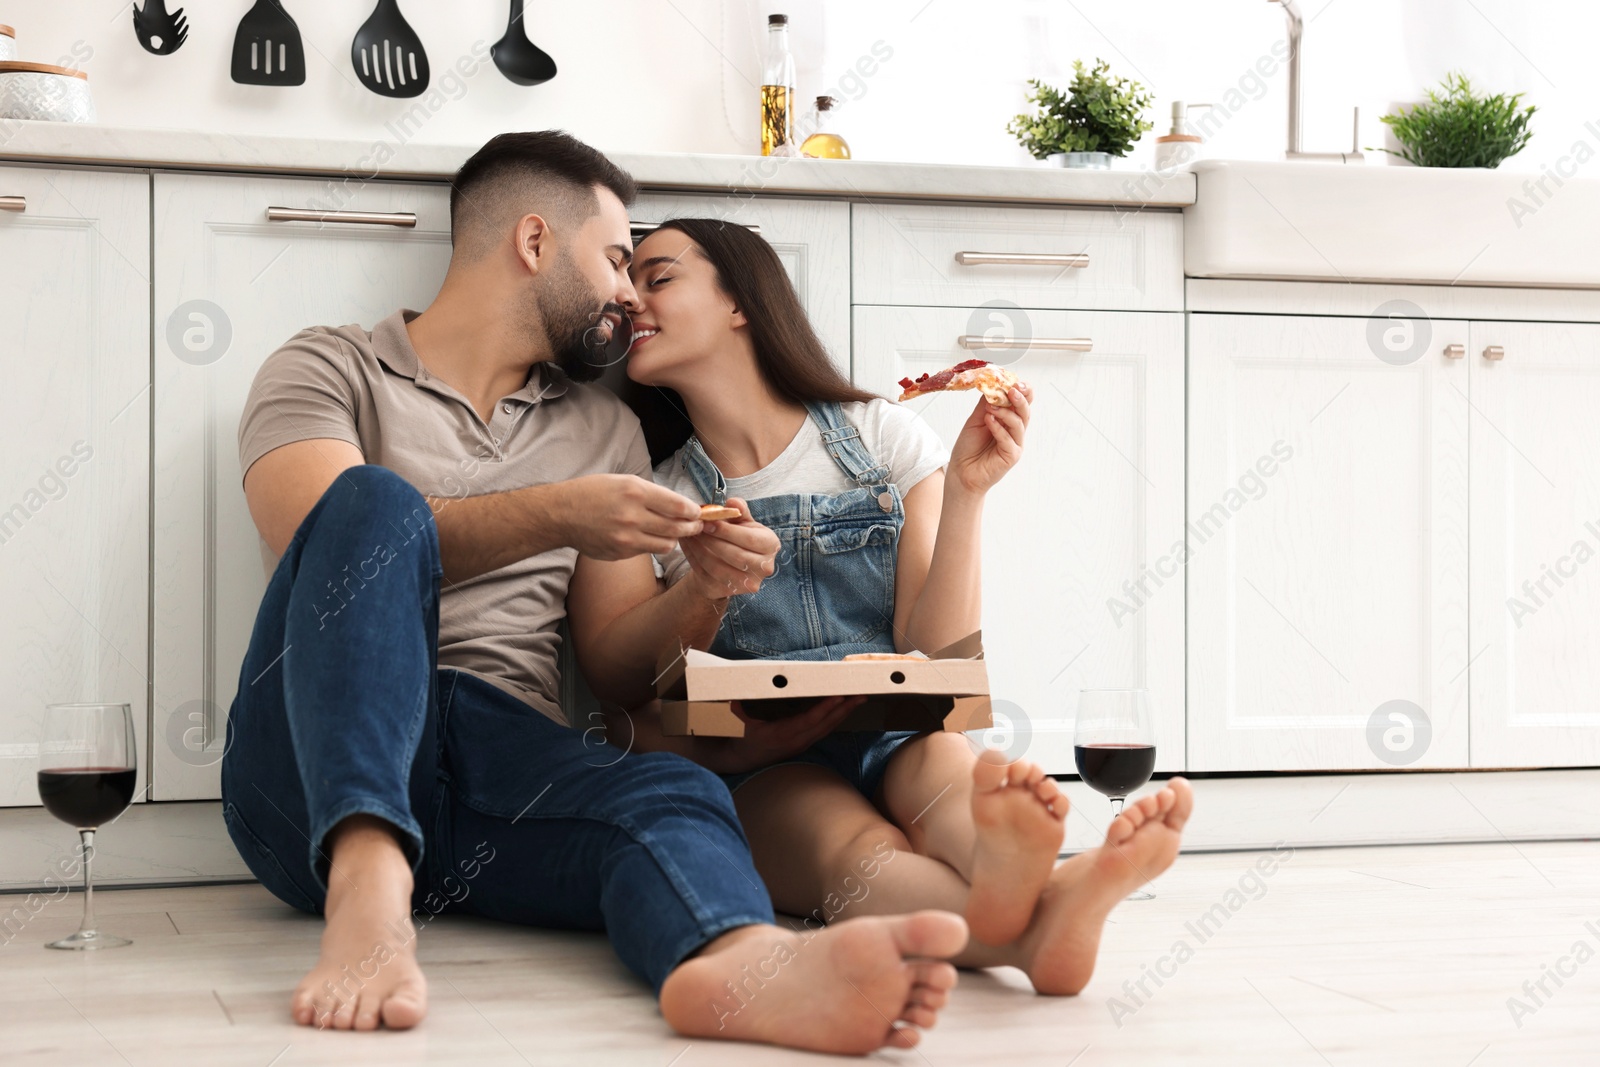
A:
1096	500
811	237
1535	544
264	280
1327	543
74	430
964	255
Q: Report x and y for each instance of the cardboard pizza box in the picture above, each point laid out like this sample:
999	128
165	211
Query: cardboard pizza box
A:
947	691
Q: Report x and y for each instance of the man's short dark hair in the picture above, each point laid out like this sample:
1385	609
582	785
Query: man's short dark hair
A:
542	172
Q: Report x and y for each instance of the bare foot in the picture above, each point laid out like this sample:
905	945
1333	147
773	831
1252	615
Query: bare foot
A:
1059	949
850	988
368	970
1020	815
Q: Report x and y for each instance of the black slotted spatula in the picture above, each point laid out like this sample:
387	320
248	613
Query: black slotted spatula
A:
267	48
387	53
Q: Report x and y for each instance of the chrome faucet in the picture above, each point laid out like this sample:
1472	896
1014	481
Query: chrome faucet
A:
1296	27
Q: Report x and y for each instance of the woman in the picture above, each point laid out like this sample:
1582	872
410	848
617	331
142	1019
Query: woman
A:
880	535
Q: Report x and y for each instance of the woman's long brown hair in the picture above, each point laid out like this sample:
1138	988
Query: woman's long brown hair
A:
789	355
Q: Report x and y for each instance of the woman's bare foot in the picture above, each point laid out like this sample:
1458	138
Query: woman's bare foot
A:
850	988
368	970
1058	951
1020	816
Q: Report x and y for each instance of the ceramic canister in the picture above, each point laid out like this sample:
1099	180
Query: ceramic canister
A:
43	91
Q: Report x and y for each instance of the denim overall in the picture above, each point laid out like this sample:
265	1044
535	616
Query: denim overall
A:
833	592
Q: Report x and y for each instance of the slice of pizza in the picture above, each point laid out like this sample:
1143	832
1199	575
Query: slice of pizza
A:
978	374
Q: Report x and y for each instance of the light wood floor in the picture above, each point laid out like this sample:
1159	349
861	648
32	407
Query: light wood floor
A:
1399	955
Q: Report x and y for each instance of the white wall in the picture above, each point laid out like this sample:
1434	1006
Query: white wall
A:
678	75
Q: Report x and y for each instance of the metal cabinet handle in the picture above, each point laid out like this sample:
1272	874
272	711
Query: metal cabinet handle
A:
974	342
367	218
13	203
1494	352
1024	259
1455	351
644	229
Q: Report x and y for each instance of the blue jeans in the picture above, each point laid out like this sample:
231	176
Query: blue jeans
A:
500	811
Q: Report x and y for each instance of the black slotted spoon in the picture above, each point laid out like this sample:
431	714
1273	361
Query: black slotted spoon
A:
387	53
267	48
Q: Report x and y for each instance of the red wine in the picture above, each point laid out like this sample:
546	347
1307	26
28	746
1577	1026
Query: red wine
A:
1115	769
87	796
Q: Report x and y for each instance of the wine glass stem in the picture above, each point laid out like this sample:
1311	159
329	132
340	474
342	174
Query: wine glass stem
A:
1116	806
87	926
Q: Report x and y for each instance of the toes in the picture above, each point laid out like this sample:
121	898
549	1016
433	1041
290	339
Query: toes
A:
367	1013
933	976
990	770
1182	803
920	1017
1025	774
301	1010
902	1037
936	934
1051	796
404	1009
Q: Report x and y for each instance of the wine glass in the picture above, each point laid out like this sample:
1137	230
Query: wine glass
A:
87	767
1114	745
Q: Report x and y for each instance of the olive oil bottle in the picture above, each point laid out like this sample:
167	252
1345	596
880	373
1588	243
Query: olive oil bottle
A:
824	143
777	91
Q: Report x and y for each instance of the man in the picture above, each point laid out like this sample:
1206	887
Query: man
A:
432	489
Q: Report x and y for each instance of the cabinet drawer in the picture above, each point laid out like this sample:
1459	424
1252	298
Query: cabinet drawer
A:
811	237
950	256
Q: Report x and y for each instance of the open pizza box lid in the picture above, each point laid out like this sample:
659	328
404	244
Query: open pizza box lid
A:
947	691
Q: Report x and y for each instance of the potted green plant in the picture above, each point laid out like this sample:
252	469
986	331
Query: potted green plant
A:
1459	128
1097	118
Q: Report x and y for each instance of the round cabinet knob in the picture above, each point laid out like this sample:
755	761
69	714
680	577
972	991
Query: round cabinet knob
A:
1494	352
1455	351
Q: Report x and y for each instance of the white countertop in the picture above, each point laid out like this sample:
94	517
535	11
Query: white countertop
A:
50	142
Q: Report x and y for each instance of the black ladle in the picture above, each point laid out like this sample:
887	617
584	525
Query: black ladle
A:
518	58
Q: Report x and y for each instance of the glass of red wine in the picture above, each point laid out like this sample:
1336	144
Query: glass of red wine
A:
1114	744
86	771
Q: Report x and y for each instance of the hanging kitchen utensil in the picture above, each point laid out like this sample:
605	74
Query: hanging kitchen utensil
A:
388	55
267	48
159	32
518	58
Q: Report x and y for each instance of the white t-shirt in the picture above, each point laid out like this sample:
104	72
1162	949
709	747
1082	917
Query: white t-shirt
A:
894	436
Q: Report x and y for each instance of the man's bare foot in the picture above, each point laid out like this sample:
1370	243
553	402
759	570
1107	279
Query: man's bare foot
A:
1058	951
1020	815
368	970
850	988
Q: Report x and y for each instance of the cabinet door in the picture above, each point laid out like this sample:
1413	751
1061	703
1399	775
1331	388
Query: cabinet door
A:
1327	543
1535	544
231	285
74	429
1096	500
811	237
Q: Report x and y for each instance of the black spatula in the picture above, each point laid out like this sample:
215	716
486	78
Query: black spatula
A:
388	55
518	58
267	48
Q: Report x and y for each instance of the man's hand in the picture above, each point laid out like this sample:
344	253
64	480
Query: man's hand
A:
766	743
732	557
618	516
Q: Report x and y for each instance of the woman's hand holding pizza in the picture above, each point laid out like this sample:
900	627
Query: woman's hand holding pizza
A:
730	558
990	443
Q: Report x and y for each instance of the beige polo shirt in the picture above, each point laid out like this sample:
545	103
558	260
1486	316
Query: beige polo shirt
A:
371	390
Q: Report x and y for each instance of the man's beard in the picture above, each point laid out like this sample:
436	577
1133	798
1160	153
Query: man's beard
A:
572	314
